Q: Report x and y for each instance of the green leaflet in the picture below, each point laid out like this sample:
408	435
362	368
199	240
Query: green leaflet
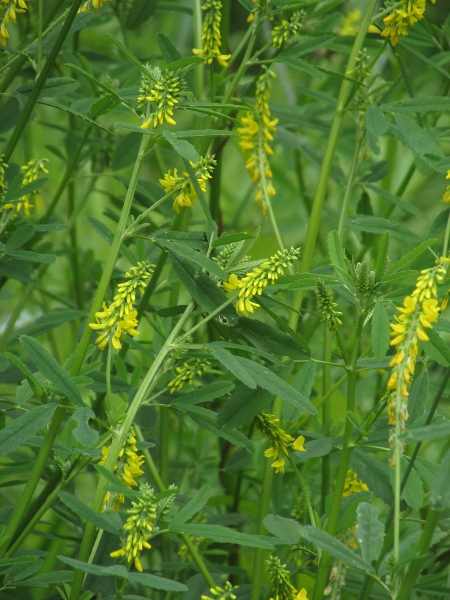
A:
380	331
51	369
369	531
192	507
24	427
224	535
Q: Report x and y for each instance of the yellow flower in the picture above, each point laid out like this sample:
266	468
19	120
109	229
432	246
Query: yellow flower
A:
211	38
8	11
403	16
301	595
94	3
225	593
160	93
446	195
119	318
353	484
256	132
34	169
127	468
298	444
418	313
254	282
184	192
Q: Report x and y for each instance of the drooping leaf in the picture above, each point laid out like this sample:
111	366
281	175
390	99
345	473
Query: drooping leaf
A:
369	531
335	548
288	530
192	507
24	427
182	147
83	433
224	535
50	368
109	521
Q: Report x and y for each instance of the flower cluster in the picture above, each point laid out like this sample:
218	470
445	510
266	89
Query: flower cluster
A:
225	593
327	306
281	582
403	16
211	39
353	484
139	525
159	93
419	312
32	171
446	196
268	426
287	29
187	374
181	185
255	281
128	467
86	6
256	132
9	9
119	318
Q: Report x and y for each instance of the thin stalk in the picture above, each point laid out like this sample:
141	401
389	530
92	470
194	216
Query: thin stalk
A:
368	583
322	573
39	36
264	506
119	438
199	72
447	232
108	385
112	258
326	412
349	186
305	491
34	95
322	185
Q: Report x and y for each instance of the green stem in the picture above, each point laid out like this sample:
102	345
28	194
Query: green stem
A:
322	185
326	413
39	36
349	186
447	232
146	386
243	66
305	491
112	258
264	506
34	95
322	573
415	567
109	411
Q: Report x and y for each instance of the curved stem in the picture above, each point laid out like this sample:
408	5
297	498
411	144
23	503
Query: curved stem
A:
305	491
146	386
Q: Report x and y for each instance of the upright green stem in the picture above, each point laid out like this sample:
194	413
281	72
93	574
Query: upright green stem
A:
119	438
264	506
349	186
112	258
34	95
39	38
326	412
322	185
322	573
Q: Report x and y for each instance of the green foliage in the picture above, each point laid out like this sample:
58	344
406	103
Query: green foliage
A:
327	138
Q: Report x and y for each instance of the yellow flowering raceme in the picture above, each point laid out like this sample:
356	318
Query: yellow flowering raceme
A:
211	38
225	593
353	484
181	185
119	318
256	133
402	17
34	169
418	313
86	6
139	526
9	9
187	374
280	440
127	468
287	29
159	94
254	282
